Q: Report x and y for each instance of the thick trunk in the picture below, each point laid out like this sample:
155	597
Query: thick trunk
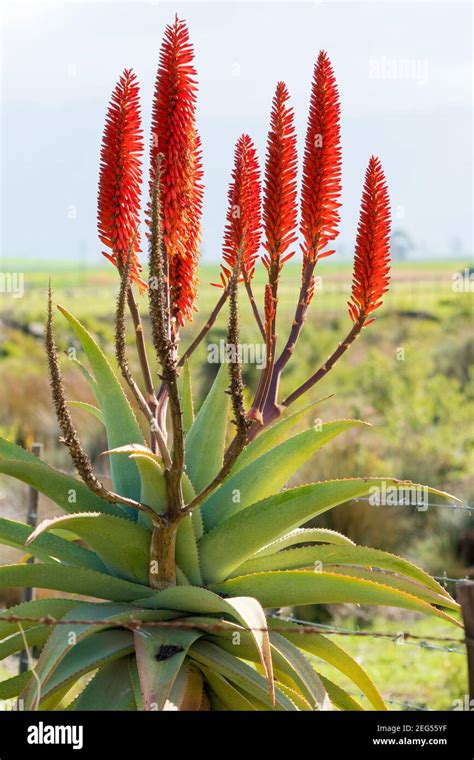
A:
162	569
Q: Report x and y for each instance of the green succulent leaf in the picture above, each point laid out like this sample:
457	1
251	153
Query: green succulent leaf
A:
287	659
109	689
214	658
13	635
67	492
187	554
12	687
186	396
121	424
305	536
269	473
34	636
286	588
324	648
206	438
296	697
36	608
152	479
48	548
339	697
160	655
95	652
188	689
120	543
325	556
238	538
227	693
90	408
298	667
9	450
398	582
246	611
153	483
88	377
61	644
135	682
72	580
154	495
272	436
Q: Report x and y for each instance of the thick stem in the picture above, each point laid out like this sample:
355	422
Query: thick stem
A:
162	569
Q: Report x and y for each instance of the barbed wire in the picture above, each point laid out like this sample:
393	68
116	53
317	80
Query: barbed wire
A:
304	627
408	705
400	637
451	580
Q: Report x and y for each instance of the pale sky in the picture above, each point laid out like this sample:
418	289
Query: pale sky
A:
404	72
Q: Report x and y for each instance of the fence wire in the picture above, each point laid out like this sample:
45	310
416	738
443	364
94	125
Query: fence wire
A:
304	627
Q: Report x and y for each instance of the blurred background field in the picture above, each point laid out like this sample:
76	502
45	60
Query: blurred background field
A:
410	375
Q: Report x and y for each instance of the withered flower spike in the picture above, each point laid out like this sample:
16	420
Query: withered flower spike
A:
70	436
241	421
121	356
159	289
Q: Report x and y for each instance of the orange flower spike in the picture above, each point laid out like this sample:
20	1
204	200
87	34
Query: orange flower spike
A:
174	135
371	275
321	187
118	206
280	189
242	232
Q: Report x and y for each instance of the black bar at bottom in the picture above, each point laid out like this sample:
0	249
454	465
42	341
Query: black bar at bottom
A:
126	734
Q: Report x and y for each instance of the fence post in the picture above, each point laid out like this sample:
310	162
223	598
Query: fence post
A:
31	519
465	597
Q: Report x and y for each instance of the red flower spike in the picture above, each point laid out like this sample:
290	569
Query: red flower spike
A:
321	188
279	197
371	275
118	206
174	135
242	232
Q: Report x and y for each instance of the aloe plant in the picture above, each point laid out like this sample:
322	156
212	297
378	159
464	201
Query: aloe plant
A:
197	538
